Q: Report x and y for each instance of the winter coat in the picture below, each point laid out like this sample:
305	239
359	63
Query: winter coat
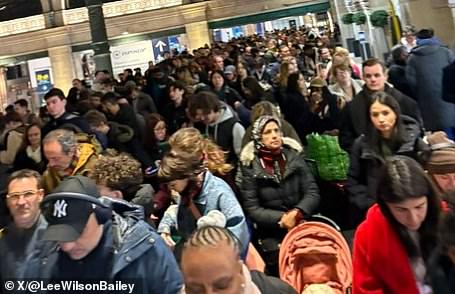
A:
119	136
227	132
215	195
141	254
23	161
448	83
354	116
424	74
286	128
266	199
68	119
17	245
397	77
142	195
296	111
366	163
12	142
175	116
126	116
228	95
338	91
381	264
144	104
262	76
441	271
86	160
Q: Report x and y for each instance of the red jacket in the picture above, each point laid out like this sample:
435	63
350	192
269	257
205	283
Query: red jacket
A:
381	265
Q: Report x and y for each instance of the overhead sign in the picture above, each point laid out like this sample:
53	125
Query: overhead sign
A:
160	46
131	55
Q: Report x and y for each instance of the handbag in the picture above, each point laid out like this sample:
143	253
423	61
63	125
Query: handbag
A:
332	161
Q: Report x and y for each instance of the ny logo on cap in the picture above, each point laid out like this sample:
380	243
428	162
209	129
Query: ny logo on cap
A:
60	208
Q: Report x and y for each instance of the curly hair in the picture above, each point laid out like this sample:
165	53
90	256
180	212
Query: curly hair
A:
190	140
117	172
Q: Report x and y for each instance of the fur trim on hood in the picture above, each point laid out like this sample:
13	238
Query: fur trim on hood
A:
248	152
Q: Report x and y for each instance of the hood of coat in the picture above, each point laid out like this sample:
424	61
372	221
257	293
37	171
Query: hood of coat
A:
144	196
225	113
426	49
132	236
249	152
122	133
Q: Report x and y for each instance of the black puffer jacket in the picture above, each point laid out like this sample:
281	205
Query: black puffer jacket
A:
365	164
354	116
441	272
265	199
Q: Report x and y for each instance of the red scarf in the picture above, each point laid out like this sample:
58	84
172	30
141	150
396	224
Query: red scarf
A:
273	161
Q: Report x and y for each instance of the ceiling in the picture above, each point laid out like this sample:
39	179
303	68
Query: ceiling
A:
12	9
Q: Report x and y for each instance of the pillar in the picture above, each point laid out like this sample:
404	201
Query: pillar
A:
3	89
53	12
196	25
429	13
62	67
452	10
99	35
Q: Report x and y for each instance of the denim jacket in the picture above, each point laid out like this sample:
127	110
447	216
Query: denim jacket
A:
215	195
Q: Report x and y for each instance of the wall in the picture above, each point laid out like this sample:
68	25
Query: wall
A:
435	14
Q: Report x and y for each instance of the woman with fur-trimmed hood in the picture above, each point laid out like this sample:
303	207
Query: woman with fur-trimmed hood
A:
278	189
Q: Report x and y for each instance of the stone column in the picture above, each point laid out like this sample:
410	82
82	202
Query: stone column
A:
438	14
196	25
53	12
452	9
3	89
99	35
62	67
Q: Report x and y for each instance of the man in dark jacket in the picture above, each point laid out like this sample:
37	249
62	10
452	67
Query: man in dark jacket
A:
220	121
397	71
175	111
118	136
22	236
56	102
424	74
142	103
355	115
102	239
125	115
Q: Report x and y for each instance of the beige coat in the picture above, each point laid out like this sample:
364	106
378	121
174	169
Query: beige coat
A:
13	144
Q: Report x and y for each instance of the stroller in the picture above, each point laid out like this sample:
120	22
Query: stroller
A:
315	258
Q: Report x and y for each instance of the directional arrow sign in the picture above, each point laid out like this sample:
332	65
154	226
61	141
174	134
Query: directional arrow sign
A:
160	44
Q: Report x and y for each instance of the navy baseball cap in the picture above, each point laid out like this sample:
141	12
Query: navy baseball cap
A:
67	215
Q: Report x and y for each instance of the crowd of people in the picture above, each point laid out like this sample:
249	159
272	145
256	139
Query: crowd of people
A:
176	177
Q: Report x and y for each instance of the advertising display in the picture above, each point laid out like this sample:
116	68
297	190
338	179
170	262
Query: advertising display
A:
132	55
37	68
43	80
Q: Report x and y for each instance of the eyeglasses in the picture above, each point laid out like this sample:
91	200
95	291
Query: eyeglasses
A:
26	194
